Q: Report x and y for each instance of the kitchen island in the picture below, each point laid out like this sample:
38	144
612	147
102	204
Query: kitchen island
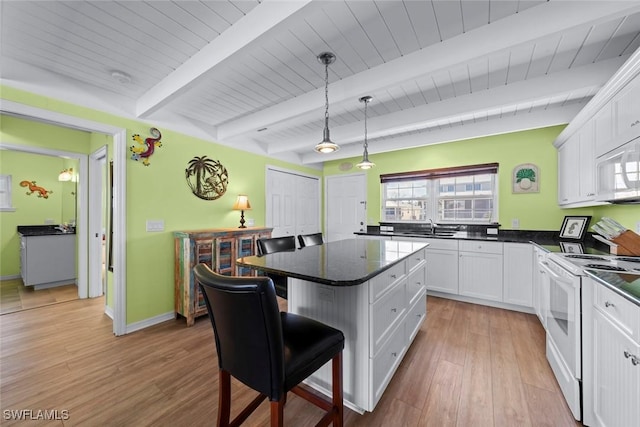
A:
372	290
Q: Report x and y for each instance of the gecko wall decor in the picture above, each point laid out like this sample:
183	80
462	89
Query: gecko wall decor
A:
145	148
33	188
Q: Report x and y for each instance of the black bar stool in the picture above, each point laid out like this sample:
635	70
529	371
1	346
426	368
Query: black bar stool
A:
310	239
272	245
270	351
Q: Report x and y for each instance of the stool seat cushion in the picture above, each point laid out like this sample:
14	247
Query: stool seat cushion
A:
308	345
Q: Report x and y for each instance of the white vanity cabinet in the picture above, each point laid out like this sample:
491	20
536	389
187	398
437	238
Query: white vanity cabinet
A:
611	372
480	269
48	260
518	274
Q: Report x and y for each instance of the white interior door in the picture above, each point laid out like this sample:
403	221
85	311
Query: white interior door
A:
293	203
97	214
346	206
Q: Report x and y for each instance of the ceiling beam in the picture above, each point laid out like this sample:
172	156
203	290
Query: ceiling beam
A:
253	25
540	21
569	83
535	120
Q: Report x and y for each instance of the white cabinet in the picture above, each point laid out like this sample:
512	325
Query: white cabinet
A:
611	378
568	155
518	274
603	130
480	269
47	261
442	266
576	168
626	114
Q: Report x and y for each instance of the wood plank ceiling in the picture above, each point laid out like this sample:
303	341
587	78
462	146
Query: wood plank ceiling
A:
245	73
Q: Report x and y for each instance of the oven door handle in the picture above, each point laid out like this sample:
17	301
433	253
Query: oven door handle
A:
545	267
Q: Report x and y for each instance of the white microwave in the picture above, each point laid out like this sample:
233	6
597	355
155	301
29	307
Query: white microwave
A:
618	174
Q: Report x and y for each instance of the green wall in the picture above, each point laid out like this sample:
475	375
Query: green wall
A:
57	208
159	191
535	211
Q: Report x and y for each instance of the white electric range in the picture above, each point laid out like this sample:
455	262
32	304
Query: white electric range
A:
564	311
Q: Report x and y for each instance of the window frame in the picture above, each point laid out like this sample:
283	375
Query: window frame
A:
432	179
6	202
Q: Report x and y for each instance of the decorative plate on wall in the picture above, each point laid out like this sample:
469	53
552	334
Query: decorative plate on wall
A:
207	178
526	178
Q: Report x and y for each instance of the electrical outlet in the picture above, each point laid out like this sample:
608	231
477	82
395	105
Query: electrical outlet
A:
638	227
49	221
515	223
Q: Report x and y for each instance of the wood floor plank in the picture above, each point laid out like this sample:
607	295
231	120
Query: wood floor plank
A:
65	356
476	398
441	407
509	400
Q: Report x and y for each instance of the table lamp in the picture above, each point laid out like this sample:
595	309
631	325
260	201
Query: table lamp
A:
242	204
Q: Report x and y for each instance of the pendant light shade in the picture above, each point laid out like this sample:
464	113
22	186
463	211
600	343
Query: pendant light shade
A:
326	146
365	163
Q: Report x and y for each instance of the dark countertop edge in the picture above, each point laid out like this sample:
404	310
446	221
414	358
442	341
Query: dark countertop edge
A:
42	230
626	295
542	239
336	283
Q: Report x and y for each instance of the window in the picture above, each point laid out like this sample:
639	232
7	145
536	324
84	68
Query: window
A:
5	193
466	194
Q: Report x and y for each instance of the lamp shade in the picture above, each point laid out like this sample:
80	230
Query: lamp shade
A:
242	203
66	175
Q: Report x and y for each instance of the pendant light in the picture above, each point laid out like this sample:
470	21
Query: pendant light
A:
365	163
326	146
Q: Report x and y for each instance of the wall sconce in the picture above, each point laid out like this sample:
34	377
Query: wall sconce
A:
242	204
66	175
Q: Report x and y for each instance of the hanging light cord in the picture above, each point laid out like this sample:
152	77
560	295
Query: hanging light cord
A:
365	125
326	95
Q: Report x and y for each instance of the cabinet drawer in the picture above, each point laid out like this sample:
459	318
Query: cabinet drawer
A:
416	283
415	260
385	280
623	313
385	363
416	315
385	314
446	244
479	246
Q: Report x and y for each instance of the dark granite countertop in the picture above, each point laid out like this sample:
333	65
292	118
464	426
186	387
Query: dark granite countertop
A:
42	230
547	240
627	285
341	263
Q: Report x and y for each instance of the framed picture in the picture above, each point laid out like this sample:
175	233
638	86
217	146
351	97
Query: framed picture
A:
574	227
526	179
572	247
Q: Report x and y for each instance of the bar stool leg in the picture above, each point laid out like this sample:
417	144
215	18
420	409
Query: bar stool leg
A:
277	413
224	398
336	382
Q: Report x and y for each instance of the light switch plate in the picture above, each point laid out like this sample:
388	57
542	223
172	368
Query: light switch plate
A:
155	225
492	231
251	222
48	221
515	223
638	227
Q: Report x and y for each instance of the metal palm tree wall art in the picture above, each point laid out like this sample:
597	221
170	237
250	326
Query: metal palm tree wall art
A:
207	178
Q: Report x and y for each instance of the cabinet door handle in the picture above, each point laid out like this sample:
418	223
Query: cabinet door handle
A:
609	304
394	310
394	354
393	276
627	354
635	361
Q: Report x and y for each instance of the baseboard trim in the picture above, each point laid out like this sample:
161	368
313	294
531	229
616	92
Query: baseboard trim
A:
108	311
136	326
479	301
10	277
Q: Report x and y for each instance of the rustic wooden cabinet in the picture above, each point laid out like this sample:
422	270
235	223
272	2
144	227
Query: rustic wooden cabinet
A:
219	249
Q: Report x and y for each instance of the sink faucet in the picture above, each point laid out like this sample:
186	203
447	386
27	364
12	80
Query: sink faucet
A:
432	226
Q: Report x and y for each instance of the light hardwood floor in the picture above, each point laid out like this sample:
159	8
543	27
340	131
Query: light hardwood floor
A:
470	365
15	296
